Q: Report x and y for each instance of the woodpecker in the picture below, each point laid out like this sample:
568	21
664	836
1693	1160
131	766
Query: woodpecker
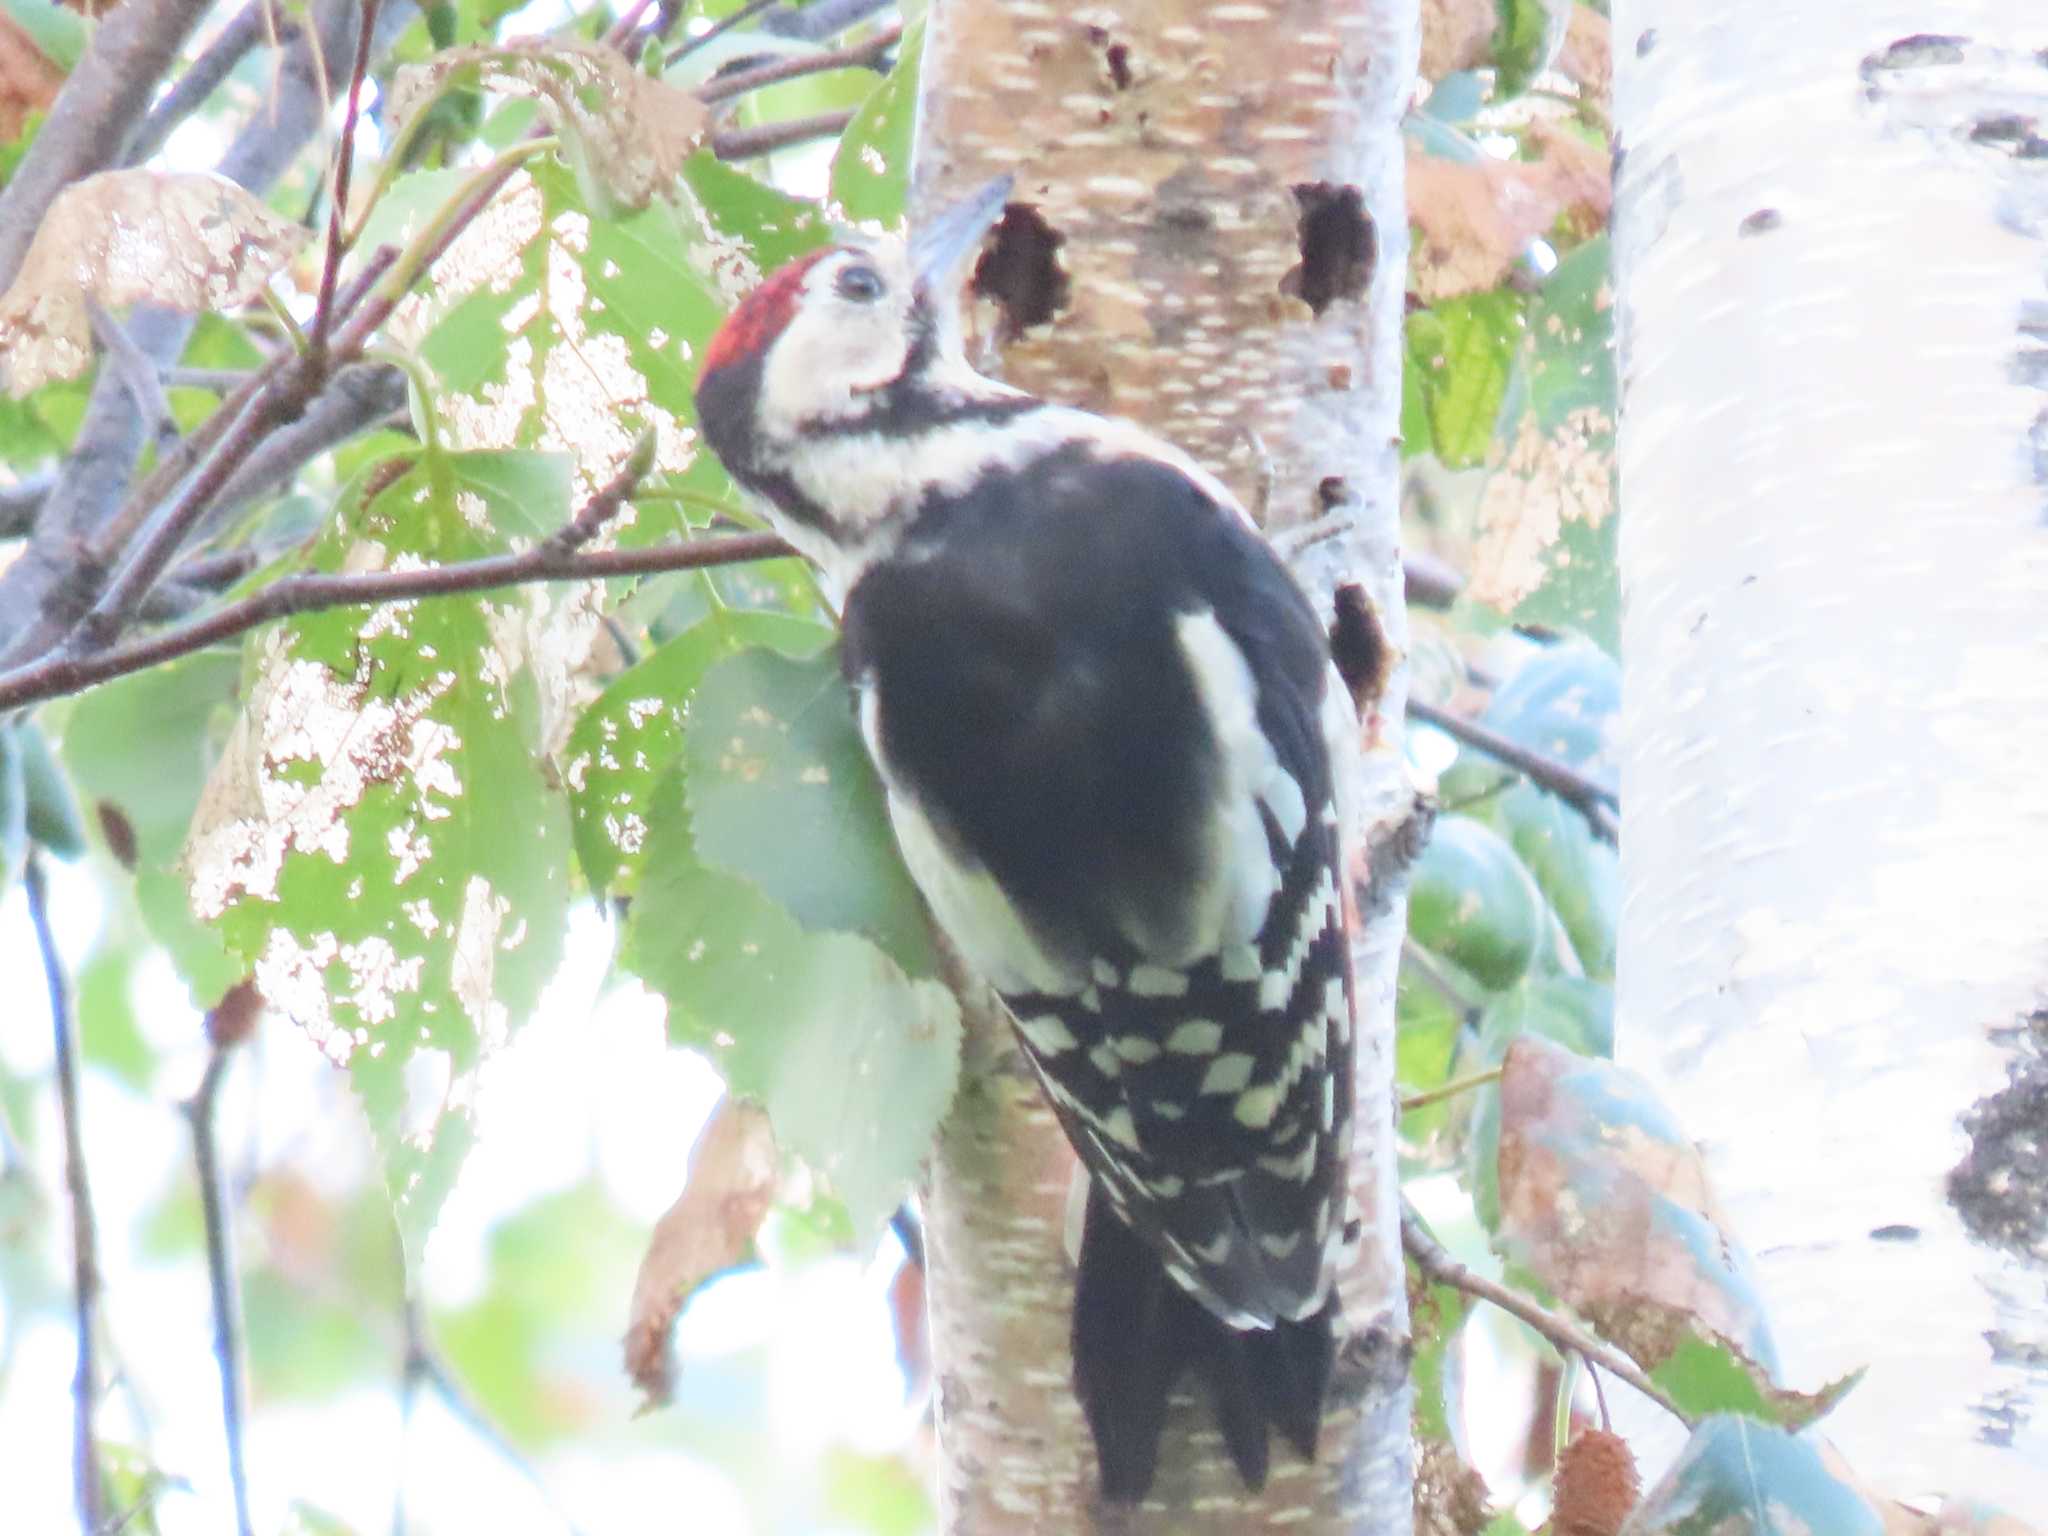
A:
1117	760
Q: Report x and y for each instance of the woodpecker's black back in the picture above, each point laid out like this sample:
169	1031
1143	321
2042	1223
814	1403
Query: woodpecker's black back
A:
1111	736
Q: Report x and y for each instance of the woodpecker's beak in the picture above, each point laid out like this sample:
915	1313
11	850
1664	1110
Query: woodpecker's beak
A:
938	249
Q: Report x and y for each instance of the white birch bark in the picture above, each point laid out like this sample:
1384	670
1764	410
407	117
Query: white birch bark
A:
1835	566
1163	144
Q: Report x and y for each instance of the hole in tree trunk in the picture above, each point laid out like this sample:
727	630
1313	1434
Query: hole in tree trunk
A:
1338	246
1020	270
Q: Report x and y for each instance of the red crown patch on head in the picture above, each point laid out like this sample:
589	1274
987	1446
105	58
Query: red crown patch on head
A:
762	314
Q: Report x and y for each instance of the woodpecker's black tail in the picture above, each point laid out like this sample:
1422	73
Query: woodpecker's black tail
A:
1136	1332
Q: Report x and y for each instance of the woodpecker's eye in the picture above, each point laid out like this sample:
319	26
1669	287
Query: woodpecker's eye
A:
862	284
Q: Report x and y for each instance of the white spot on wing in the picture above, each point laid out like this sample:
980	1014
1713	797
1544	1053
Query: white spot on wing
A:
1048	1034
1197	1037
1228	1074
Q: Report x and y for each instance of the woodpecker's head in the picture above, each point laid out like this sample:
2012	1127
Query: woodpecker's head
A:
816	389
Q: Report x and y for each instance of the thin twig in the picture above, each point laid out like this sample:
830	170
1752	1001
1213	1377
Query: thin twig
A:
85	1268
220	1270
1438	1265
820	19
344	166
745	143
202	77
860	55
1449	1090
310	593
1425	965
424	1366
724	24
1592	799
138	374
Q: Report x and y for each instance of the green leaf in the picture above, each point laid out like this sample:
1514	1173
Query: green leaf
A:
53	819
1570	1011
871	168
1527	39
1471	900
1738	1475
144	745
1563	702
382	839
854	1061
1706	1375
1427	1027
781	792
1550	531
1579	875
731	206
1436	1320
1463	352
624	743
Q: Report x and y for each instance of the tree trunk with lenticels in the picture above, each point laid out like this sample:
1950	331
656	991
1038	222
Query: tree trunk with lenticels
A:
1207	237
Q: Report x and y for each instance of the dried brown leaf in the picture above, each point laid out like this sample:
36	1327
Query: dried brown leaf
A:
1474	220
1588	1205
732	1181
234	1018
188	240
627	132
1457	34
1586	56
91	10
28	78
1595	1487
1450	1498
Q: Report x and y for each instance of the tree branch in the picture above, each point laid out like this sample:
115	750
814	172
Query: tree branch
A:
724	24
358	396
1592	799
220	1269
60	675
820	19
344	167
85	1269
744	143
860	55
202	77
101	102
1568	1337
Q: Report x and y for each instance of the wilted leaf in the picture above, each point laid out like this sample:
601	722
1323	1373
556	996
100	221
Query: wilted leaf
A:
733	1174
1474	220
626	133
28	79
377	842
781	792
186	240
1604	1200
1736	1474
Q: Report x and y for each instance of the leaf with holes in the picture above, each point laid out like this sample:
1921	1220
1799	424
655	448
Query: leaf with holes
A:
378	842
626	135
871	168
1604	1200
186	240
627	739
1545	547
854	1061
782	793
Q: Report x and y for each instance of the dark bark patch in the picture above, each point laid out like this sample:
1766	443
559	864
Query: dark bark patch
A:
2000	1188
1338	246
1359	646
1762	222
1020	273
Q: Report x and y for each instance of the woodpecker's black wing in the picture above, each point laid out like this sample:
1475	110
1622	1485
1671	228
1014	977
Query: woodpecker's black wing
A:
1105	715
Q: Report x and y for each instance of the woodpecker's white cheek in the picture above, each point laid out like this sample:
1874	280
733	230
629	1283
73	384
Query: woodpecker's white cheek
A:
826	362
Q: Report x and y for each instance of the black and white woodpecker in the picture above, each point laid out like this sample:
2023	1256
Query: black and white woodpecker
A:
1118	762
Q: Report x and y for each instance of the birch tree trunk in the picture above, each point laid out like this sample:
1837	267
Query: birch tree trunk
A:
1210	186
1835	557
